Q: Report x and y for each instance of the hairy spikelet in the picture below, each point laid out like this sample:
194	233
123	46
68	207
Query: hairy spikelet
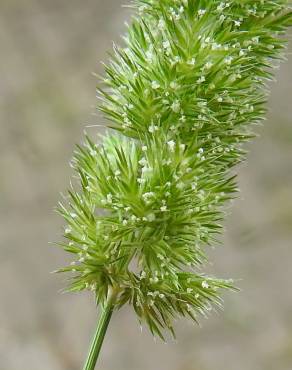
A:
183	94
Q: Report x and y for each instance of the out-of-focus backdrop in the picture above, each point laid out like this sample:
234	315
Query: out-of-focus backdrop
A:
47	97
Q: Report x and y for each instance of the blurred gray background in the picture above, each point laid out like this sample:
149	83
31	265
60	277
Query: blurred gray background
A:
47	97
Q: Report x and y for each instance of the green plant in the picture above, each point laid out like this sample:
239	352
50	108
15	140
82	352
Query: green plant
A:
181	96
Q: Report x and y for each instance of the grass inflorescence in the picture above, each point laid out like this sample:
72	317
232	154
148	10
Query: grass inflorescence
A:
182	98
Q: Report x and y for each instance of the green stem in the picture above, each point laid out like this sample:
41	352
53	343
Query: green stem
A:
99	335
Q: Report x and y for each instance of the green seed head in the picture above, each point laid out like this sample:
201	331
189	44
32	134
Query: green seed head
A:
182	97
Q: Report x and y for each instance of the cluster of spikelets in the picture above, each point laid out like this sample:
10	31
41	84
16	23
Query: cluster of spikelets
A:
183	94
